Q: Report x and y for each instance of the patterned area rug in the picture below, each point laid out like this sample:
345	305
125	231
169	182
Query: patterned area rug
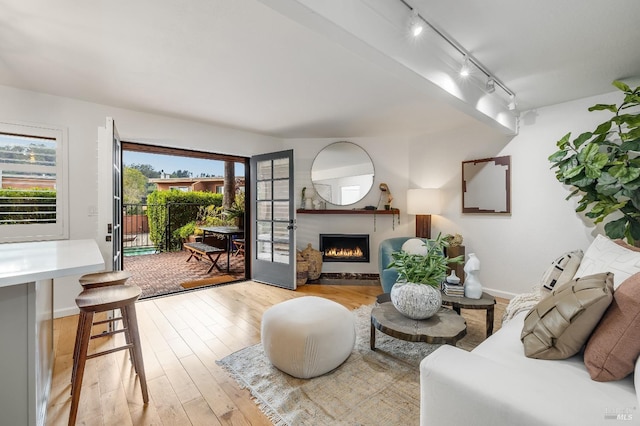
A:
379	387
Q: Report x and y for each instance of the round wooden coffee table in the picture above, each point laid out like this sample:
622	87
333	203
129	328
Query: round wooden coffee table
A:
486	302
446	326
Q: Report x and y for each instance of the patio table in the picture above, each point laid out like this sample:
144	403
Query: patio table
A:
227	232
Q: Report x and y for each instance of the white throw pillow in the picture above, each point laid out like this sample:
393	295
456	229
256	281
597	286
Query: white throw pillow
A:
603	255
415	246
561	271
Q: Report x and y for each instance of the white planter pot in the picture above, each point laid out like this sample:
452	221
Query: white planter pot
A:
416	301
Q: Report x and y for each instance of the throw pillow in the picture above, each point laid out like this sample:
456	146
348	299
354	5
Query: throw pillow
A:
604	255
561	270
559	326
614	346
624	244
415	246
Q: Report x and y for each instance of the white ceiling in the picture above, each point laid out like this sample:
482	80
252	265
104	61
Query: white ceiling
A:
241	64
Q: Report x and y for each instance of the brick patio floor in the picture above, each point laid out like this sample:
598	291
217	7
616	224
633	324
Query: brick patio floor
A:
162	273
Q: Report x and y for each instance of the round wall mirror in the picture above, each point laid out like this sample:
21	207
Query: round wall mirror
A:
342	173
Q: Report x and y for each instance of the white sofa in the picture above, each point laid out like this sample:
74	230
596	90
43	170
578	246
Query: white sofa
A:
495	384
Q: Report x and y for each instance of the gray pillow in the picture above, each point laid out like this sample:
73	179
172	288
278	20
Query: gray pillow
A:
560	325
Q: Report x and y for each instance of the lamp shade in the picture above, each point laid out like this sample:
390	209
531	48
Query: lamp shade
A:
423	201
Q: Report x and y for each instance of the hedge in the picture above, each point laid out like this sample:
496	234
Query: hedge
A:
169	210
10	199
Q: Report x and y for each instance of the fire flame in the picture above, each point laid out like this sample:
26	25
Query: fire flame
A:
334	252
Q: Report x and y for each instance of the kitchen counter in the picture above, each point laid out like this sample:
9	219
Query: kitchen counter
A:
27	271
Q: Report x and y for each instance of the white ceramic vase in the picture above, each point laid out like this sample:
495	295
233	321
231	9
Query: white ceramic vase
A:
416	301
472	286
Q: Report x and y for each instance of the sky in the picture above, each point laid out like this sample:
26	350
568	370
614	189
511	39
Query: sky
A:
171	163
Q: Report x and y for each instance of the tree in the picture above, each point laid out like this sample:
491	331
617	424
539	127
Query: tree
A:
147	170
229	184
134	186
181	174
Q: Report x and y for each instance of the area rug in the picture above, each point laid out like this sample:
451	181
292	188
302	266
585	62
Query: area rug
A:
221	279
379	387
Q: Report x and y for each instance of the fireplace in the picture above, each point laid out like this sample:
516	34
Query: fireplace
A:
344	247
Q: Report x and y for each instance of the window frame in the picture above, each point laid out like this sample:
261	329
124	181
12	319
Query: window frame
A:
37	231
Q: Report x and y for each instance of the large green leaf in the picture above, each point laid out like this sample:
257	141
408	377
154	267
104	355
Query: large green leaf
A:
607	186
557	156
630	145
562	143
622	86
603	128
582	139
624	174
634	197
603	107
581	181
634	228
573	171
615	229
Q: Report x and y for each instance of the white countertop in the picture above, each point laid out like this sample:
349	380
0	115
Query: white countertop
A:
26	262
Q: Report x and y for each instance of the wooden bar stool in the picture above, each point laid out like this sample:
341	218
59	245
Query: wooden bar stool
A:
104	279
95	280
102	299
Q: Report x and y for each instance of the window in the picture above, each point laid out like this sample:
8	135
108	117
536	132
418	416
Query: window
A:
33	191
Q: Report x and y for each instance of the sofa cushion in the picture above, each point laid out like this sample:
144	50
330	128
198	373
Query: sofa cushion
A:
613	348
604	255
559	326
561	270
415	246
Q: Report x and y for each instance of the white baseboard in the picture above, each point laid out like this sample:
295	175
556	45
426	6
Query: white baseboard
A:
500	293
59	313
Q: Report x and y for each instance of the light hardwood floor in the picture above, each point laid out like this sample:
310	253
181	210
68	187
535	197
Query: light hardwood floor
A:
182	336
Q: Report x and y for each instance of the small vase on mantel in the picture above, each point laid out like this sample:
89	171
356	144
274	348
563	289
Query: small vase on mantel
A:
472	286
416	301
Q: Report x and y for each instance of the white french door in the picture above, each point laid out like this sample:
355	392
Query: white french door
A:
110	195
273	213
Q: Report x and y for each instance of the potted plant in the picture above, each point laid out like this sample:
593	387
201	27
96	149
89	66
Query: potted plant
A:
604	167
416	294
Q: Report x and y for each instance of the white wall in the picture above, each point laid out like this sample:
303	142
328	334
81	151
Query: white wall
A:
82	120
391	164
515	249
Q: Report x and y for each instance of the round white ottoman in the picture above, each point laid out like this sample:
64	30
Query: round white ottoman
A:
308	336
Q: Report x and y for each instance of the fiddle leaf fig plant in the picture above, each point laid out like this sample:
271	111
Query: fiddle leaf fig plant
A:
430	269
603	166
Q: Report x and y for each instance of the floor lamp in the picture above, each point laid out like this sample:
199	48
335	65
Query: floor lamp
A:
423	203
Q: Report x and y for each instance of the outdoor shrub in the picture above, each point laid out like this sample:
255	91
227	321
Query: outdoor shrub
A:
170	210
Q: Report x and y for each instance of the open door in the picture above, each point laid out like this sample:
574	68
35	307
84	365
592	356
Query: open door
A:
110	195
273	213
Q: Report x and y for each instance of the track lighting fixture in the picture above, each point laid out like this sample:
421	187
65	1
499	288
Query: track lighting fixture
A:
416	24
491	85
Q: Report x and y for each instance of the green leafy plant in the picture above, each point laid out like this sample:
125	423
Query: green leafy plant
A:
430	269
604	167
236	211
185	231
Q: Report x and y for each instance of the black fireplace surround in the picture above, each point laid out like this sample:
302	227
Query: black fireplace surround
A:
344	247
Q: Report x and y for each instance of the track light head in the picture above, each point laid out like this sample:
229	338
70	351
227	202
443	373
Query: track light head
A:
464	69
491	85
512	103
416	24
